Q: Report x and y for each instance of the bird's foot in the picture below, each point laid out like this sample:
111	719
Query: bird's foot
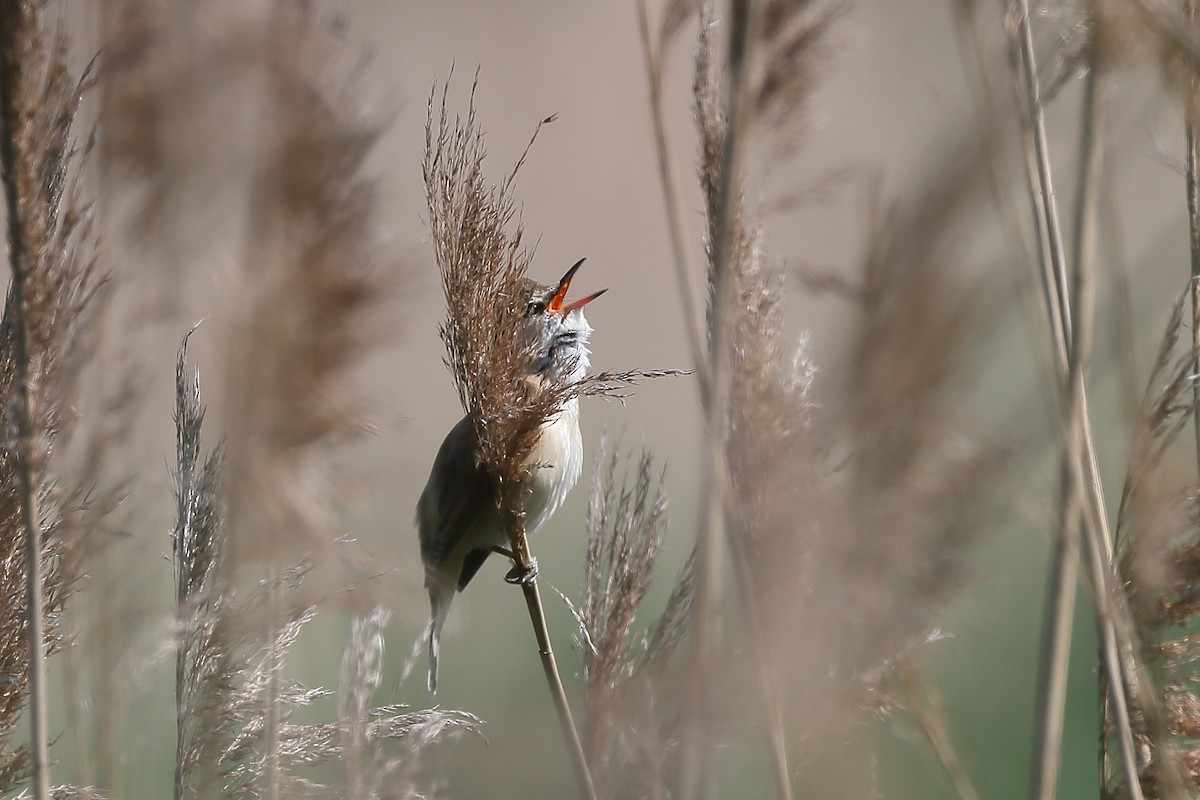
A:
520	575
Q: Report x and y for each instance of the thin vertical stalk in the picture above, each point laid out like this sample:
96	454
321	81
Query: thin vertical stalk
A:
14	32
1064	571
767	687
652	57
1056	646
1057	627
1083	313
1079	457
1058	622
1041	190
274	623
1122	671
714	483
537	618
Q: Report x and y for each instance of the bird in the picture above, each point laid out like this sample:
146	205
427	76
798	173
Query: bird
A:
457	517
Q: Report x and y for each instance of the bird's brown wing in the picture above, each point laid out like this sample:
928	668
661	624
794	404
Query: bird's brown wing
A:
465	490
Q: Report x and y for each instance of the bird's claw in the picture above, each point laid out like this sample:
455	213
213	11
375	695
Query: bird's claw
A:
520	575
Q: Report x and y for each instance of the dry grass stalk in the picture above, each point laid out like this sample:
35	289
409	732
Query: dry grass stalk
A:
654	49
1127	683
722	157
223	670
381	747
632	733
770	73
1076	331
46	314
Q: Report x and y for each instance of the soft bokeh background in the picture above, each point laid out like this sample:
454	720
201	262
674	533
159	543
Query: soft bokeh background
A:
895	95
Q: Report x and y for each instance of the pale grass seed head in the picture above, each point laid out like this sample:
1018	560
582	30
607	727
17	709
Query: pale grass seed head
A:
632	713
225	669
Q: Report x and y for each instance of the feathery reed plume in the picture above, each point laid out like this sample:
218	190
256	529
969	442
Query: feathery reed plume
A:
197	544
483	259
371	769
223	667
483	262
633	716
45	317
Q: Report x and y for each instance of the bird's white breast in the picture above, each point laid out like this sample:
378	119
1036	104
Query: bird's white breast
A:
557	462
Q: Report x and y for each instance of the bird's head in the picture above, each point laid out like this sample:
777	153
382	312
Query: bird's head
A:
558	331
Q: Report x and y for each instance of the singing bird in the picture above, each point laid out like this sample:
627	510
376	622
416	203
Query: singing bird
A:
457	518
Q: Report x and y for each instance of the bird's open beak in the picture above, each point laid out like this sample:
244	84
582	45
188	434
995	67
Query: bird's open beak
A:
556	306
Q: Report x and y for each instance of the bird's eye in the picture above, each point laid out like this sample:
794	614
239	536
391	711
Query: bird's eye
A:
534	307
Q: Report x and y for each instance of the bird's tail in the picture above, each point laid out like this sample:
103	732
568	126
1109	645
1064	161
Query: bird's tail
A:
439	608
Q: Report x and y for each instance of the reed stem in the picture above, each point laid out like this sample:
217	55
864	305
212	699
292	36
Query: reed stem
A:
714	483
541	631
14	29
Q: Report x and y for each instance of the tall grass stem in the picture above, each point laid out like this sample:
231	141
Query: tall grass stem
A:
652	57
20	255
714	481
537	618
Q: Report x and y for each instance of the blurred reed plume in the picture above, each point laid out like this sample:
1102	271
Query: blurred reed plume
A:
863	554
312	276
249	144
